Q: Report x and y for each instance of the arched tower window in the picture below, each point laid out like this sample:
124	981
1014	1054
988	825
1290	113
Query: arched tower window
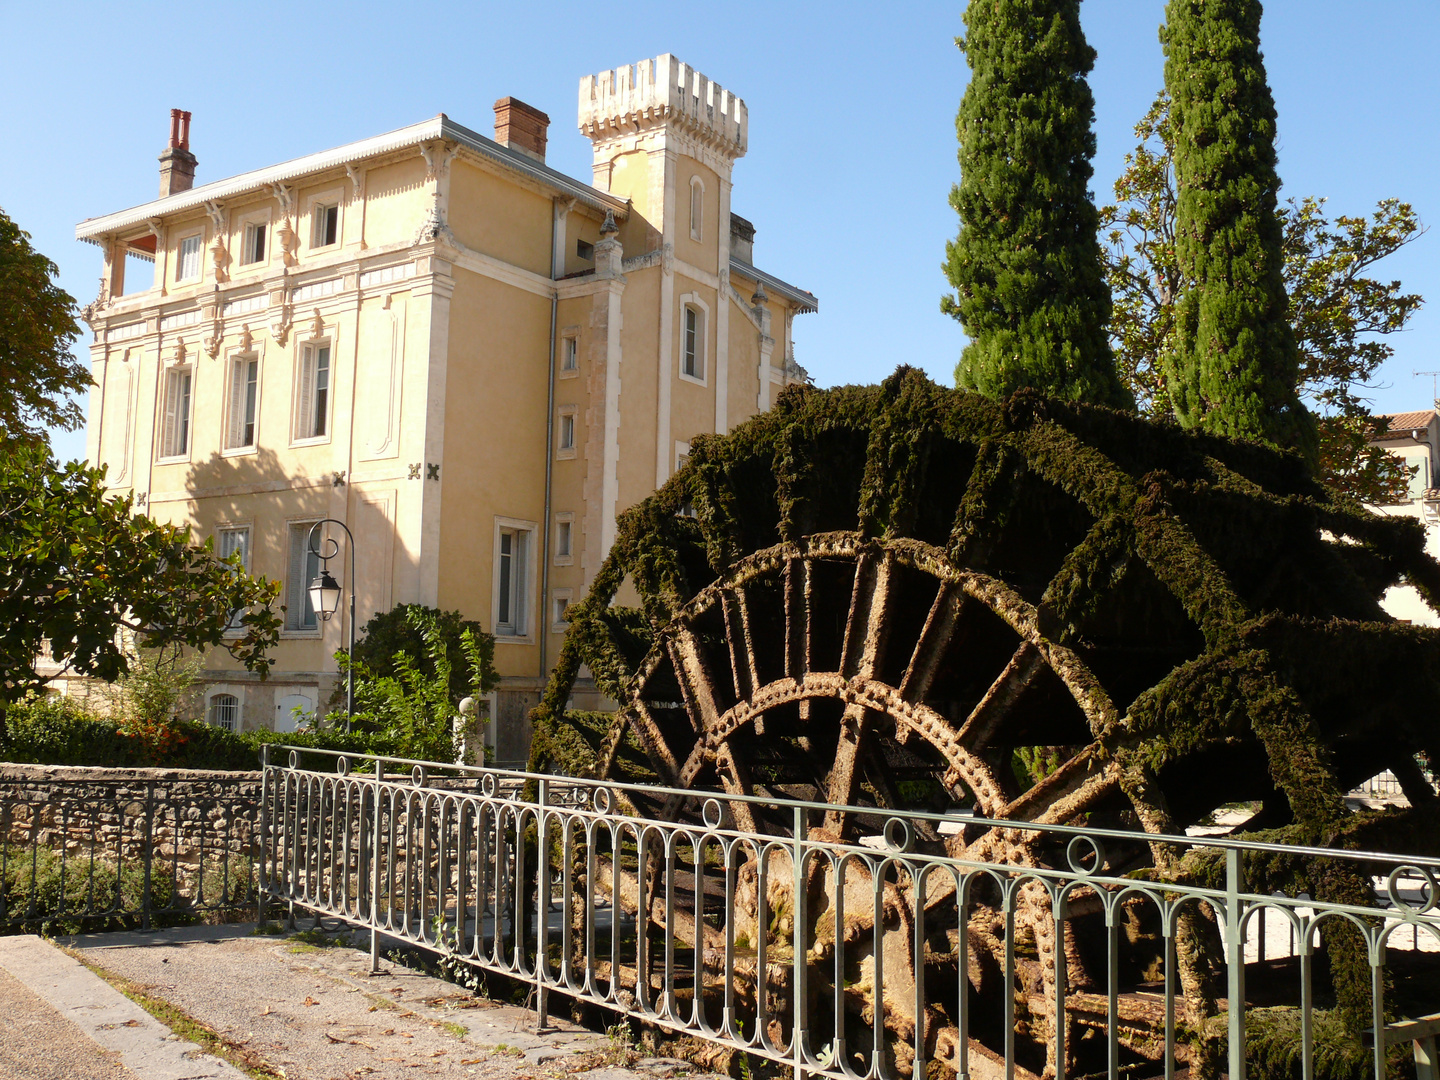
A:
697	208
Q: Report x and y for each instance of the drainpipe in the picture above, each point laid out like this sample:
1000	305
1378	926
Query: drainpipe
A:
542	624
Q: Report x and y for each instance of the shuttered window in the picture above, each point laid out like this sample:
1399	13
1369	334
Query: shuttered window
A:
175	431
510	614
253	249
692	346
244	398
304	568
313	412
189	267
327	224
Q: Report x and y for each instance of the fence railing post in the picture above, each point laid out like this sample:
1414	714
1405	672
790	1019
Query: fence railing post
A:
1235	964
262	826
146	851
542	906
375	871
800	1018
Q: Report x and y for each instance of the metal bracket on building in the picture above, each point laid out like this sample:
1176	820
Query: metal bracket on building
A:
432	471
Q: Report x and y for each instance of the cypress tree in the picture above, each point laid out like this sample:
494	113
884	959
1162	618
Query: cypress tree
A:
1029	284
1234	367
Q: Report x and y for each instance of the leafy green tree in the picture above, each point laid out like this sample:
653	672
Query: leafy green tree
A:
396	632
1338	313
38	374
78	569
1029	285
413	703
1233	368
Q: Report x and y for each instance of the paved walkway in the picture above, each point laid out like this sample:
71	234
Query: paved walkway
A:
284	1007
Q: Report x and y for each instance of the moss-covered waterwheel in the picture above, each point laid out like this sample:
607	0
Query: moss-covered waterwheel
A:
905	596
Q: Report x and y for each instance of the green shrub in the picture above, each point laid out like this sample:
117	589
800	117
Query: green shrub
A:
58	731
50	897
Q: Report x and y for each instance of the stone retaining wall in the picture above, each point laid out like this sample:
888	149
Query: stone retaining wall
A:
177	815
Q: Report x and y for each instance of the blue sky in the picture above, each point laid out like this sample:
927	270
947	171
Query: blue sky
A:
852	147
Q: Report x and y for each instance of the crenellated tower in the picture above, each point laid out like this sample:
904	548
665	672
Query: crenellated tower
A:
639	116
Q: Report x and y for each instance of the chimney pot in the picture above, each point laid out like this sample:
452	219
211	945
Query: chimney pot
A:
177	163
521	127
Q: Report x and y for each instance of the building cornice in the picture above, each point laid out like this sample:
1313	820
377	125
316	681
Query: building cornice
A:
260	180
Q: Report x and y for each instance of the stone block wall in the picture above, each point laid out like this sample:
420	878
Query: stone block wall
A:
181	815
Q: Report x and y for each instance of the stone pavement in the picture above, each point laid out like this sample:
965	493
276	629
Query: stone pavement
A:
285	1008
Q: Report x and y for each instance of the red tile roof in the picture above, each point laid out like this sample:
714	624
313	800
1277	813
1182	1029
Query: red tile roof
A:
1401	424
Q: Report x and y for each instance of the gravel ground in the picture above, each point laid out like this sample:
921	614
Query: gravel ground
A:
315	1014
40	1044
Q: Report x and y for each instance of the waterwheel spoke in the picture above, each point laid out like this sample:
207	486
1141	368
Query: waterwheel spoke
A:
930	649
797	617
865	635
1069	790
735	775
1000	698
843	777
697	685
736	612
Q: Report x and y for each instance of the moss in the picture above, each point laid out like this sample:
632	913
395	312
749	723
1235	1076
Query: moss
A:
1256	587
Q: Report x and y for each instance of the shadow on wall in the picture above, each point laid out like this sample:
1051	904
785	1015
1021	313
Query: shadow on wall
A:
257	495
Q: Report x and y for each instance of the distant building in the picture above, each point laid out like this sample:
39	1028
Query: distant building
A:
473	360
1415	437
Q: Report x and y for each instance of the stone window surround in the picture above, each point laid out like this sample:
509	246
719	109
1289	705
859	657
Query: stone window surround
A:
256	352
330	337
563	413
695	302
562	558
330	197
170	372
242	223
525	590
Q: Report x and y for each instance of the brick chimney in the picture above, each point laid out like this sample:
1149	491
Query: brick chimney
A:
521	127
177	164
742	239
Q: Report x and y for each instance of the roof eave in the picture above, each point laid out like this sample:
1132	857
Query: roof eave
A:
439	127
806	302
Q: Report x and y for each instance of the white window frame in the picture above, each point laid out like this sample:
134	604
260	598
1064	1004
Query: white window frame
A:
567	431
521	630
688	303
257	220
248	531
297	580
697	208
560	601
335	197
682	454
564	524
180	277
232	447
237	701
305	391
170	418
570	352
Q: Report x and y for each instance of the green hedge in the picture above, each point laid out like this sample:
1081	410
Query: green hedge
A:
56	731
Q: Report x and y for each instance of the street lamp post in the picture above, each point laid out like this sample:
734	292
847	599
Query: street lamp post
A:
325	598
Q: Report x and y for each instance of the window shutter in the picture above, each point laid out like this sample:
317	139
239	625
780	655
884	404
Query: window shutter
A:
295	594
305	412
167	431
235	428
522	584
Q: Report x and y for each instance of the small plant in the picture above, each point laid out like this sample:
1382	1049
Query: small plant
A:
620	1049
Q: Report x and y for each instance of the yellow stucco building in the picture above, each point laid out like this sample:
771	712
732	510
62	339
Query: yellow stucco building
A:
470	358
